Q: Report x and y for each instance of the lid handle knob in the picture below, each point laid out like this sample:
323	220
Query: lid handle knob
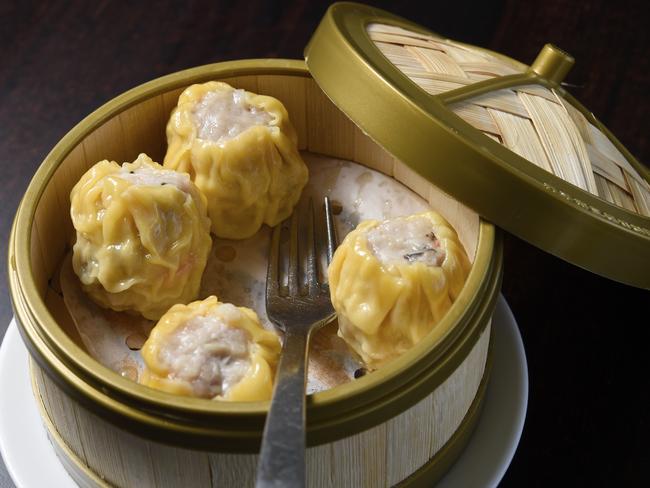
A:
552	64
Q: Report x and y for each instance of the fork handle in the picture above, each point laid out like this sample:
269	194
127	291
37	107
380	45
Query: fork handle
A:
282	457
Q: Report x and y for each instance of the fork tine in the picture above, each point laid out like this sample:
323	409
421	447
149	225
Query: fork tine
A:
294	286
332	243
311	267
272	273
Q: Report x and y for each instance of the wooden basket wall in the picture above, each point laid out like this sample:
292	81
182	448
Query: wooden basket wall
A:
532	121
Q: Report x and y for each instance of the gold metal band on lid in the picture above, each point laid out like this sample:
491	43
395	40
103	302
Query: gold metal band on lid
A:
422	130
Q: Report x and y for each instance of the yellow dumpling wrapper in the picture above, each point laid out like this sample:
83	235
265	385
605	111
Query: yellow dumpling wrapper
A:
211	350
384	308
241	151
143	236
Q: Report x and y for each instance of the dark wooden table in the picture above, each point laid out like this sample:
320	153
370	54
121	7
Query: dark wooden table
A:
586	338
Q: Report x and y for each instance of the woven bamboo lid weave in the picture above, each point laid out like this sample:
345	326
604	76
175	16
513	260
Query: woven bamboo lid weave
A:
502	137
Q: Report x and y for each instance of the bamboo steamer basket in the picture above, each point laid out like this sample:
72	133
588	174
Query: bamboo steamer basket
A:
473	132
403	424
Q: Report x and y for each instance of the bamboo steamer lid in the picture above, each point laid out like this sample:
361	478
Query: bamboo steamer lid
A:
502	137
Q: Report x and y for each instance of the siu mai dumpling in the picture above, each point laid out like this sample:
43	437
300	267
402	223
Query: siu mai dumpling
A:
241	151
143	236
392	281
212	350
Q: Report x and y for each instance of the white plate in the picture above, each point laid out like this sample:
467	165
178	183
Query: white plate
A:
483	463
25	447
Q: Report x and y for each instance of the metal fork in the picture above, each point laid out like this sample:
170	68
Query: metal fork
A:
282	457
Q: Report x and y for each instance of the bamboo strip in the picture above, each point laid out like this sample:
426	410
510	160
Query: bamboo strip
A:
605	146
418	72
409	178
56	305
179	467
603	188
640	194
621	197
94	437
538	91
460	54
138	469
503	100
436	61
476	116
455	385
329	131
476	77
291	91
494	137
399	56
579	120
435	86
608	161
46	219
600	143
232	469
65	177
370	154
461	217
562	141
358	460
75	468
564	148
169	101
392	29
106	142
519	135
507	62
605	167
249	82
56	403
143	126
492	69
399	39
411	440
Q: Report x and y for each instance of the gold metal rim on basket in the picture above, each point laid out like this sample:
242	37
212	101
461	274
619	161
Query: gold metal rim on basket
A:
332	414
